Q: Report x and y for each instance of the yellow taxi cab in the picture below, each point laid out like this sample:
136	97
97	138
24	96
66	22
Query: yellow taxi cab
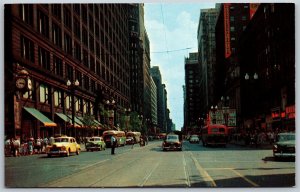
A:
63	145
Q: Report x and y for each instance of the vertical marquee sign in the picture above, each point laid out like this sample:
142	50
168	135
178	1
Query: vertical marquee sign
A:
227	29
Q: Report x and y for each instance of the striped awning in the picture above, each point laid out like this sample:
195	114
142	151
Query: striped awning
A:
41	117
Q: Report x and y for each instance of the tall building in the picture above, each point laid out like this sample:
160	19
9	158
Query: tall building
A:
48	45
231	23
140	62
153	102
207	58
156	75
192	83
267	57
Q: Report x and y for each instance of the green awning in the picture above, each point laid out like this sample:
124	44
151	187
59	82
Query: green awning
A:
39	116
77	121
64	117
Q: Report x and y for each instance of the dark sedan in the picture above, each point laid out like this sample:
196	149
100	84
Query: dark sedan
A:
172	142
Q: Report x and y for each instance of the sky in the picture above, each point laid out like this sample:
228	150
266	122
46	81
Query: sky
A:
172	31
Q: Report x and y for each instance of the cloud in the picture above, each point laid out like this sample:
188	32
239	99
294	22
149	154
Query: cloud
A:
171	40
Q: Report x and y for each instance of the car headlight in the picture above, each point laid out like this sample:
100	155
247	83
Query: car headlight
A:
63	148
275	147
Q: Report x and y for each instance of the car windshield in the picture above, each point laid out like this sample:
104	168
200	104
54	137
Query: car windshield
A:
59	140
172	137
286	137
194	136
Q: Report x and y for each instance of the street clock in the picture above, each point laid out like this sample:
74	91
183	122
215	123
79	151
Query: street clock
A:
20	83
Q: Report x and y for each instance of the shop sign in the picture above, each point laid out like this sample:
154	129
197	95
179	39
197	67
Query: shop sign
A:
290	112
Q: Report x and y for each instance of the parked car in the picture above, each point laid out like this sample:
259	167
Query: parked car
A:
172	142
129	140
194	139
95	144
63	145
285	145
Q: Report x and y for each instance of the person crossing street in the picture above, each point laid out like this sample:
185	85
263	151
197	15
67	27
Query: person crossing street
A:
113	143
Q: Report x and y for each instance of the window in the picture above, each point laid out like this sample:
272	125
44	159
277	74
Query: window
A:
67	18
68	102
68	44
56	33
84	37
91	23
231	18
77	28
57	98
92	47
69	72
78	104
92	64
58	66
244	18
26	13
86	82
77	51
85	58
232	29
76	8
44	58
43	23
84	14
27	49
93	86
44	94
56	11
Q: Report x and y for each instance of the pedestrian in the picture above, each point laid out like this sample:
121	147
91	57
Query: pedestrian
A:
30	146
113	142
38	145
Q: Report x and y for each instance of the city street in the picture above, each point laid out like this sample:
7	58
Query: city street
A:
149	166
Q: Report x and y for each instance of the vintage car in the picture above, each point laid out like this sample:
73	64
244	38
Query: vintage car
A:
129	140
95	144
172	142
285	145
63	145
194	139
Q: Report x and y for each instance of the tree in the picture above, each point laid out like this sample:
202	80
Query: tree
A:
89	123
135	122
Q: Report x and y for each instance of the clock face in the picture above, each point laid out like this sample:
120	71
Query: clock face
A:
20	83
29	84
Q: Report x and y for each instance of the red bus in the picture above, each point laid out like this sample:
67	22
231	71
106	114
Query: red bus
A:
215	134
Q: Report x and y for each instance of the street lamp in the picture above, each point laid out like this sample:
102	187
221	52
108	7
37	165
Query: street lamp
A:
72	86
214	109
111	105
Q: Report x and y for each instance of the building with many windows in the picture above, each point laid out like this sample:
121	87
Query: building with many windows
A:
49	45
207	58
192	83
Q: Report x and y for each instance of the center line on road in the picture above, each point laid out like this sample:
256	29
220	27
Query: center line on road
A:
245	178
205	175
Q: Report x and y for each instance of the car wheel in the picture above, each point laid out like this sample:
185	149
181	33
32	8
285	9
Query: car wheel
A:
77	151
100	148
49	155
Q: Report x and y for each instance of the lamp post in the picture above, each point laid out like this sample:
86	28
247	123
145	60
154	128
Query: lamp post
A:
214	109
72	86
111	104
252	106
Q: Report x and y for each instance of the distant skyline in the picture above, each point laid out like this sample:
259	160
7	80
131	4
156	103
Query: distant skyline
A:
172	31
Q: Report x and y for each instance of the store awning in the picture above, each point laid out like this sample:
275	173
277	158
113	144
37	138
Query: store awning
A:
77	121
39	116
64	117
